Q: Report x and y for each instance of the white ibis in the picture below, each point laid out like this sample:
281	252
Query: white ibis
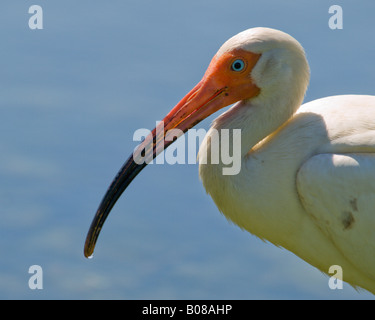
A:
307	178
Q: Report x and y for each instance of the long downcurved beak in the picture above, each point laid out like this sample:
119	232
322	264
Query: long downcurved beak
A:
212	93
203	100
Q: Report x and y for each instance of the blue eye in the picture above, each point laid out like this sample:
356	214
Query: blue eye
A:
238	65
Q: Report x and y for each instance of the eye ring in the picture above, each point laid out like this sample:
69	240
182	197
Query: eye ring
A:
238	65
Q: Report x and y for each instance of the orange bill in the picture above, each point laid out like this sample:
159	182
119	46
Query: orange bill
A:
226	81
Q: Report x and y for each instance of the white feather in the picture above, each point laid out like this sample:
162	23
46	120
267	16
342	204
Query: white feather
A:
307	180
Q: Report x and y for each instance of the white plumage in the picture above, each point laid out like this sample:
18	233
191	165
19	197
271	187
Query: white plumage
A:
307	179
307	183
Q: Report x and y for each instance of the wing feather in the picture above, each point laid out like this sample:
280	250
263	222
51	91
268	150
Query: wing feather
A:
338	191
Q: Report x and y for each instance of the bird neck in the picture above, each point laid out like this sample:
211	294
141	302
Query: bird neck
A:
257	118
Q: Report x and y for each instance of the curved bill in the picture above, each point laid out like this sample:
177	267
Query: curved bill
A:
198	104
212	93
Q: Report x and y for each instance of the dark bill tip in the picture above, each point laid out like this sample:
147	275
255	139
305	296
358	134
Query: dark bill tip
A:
124	177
